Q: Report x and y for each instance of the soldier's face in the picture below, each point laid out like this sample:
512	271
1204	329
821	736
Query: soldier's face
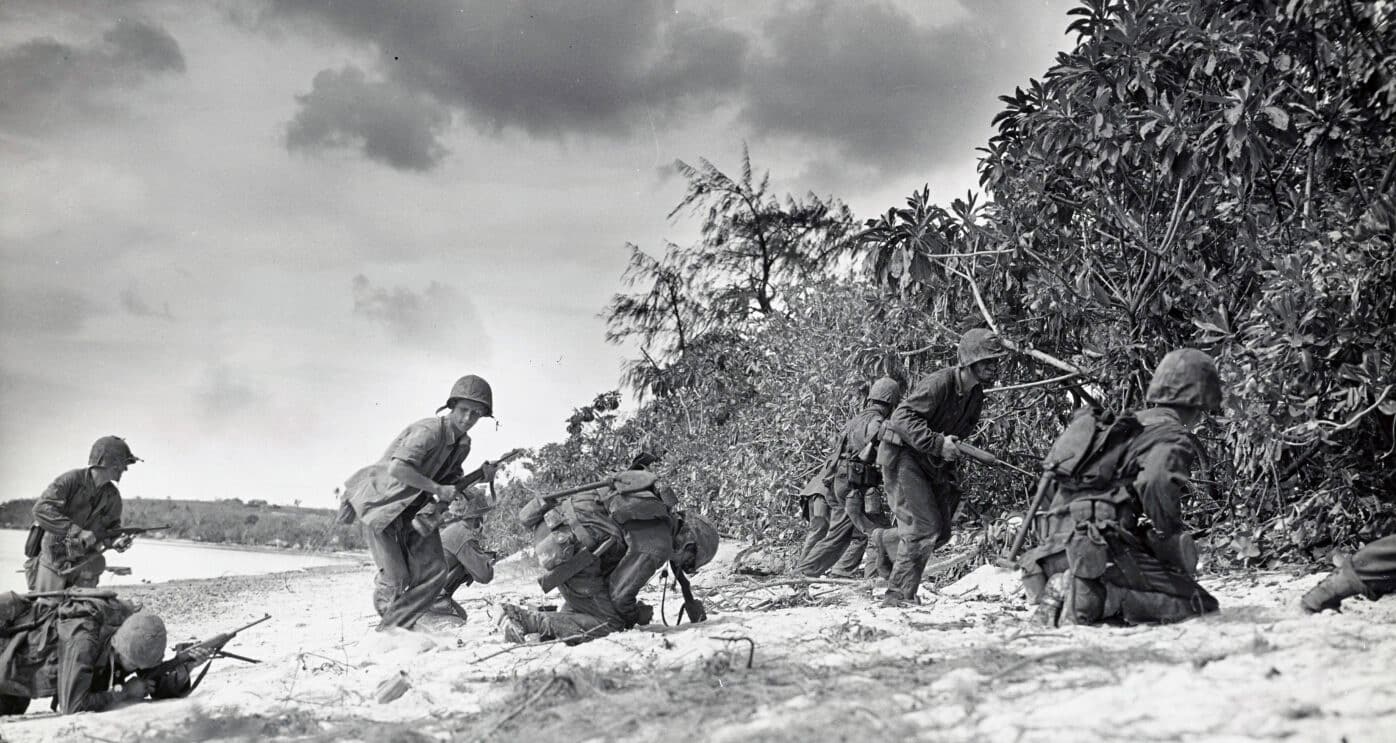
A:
466	413
986	371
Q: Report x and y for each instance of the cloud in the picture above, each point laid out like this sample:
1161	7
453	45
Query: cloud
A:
46	310
887	89
547	68
135	304
223	393
387	122
439	316
43	80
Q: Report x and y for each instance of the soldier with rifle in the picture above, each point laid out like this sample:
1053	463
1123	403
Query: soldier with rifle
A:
840	551
78	517
397	497
600	543
90	651
1115	546
918	456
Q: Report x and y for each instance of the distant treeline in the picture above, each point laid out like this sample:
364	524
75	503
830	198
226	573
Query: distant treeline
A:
228	521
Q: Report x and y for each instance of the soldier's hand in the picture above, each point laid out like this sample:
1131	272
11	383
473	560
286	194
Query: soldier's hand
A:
86	539
135	689
123	542
948	449
200	654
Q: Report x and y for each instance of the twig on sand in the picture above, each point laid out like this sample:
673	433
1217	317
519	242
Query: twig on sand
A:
544	643
1029	661
748	587
534	697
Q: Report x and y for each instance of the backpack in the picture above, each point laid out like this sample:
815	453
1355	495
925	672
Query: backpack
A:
1087	458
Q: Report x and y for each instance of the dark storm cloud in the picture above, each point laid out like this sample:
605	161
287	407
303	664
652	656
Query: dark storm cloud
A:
889	90
44	81
438	317
543	66
387	122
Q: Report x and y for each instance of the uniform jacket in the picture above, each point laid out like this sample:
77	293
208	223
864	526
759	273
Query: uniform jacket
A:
430	447
938	406
70	504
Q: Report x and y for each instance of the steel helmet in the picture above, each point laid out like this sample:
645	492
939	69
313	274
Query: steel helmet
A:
140	640
109	451
886	390
1186	376
471	387
979	344
702	534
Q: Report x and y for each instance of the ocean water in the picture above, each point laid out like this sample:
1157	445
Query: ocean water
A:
157	560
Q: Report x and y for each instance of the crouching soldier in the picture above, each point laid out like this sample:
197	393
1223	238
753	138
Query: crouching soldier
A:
88	650
1115	545
840	551
599	547
467	562
1370	572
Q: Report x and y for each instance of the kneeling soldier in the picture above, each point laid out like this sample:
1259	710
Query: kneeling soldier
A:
1370	572
600	547
1115	545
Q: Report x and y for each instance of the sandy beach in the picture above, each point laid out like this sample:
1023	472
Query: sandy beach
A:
825	663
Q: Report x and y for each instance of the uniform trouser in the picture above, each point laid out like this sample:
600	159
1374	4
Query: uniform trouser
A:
818	523
469	565
42	575
411	570
843	543
1375	566
588	612
883	545
925	504
1154	592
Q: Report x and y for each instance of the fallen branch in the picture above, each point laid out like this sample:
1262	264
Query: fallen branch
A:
544	643
1038	383
534	697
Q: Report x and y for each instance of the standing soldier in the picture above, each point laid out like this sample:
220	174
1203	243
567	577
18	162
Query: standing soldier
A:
842	546
1115	546
918	456
396	499
75	514
814	507
600	547
1370	572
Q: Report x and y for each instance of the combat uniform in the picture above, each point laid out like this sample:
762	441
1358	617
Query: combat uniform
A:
411	565
843	544
814	507
71	504
64	650
925	488
632	533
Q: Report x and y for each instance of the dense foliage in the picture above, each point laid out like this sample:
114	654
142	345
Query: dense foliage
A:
1207	173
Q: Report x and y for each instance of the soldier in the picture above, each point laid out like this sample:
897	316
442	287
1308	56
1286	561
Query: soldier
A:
814	507
86	650
601	547
467	562
918	454
1115	545
854	472
1370	572
75	514
396	499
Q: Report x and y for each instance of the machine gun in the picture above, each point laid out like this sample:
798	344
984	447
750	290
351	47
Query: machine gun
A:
105	536
186	654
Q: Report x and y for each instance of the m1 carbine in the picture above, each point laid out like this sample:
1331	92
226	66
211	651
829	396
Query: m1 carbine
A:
186	654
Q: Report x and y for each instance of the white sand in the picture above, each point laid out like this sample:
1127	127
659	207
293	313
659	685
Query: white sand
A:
966	667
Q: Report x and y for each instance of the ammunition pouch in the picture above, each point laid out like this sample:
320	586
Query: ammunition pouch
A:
34	542
1087	549
873	503
861	474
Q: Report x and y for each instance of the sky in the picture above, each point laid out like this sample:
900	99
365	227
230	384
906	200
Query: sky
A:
257	239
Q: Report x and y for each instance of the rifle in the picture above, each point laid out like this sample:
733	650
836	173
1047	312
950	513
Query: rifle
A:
108	534
184	655
979	455
478	474
691	606
1008	560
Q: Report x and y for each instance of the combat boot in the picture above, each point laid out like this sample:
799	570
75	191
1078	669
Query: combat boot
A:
1049	603
1330	592
518	623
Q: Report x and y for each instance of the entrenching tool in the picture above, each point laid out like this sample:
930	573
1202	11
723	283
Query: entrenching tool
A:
579	562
